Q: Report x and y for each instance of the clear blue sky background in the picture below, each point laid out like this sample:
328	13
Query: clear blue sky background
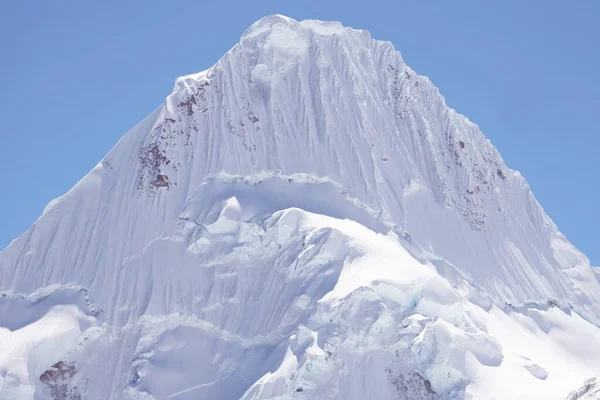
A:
76	75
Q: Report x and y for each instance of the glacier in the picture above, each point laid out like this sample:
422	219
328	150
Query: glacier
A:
305	219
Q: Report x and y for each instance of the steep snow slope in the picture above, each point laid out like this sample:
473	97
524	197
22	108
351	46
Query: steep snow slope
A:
306	218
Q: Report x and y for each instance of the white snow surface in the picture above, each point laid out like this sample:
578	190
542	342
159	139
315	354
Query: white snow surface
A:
306	219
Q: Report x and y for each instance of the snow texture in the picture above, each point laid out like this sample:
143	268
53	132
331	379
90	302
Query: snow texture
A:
589	391
306	219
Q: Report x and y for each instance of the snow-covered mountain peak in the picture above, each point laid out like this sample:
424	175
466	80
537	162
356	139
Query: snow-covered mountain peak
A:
279	39
267	24
303	211
317	98
278	26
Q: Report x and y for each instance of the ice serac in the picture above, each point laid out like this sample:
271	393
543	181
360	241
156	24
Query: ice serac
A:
589	391
305	219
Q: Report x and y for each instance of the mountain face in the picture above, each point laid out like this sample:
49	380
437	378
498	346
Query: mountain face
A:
305	219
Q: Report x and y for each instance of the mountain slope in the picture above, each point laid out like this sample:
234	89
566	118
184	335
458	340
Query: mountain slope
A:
305	210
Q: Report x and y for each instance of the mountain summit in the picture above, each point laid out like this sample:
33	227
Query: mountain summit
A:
305	219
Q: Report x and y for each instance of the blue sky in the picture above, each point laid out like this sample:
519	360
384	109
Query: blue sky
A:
76	75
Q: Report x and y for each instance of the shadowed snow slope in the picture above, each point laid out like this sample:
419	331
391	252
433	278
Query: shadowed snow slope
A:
305	219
